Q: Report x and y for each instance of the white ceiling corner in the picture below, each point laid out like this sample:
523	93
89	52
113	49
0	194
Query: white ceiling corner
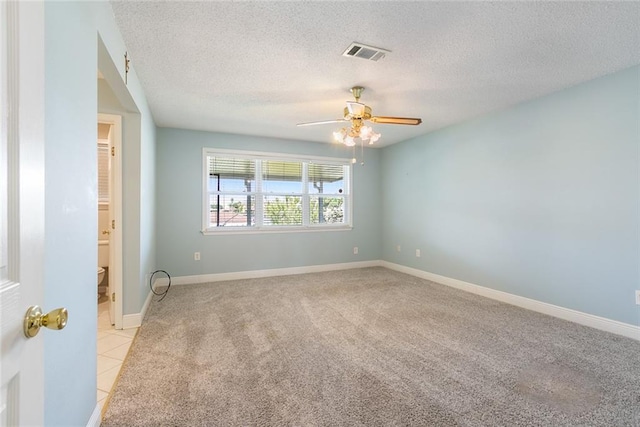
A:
259	68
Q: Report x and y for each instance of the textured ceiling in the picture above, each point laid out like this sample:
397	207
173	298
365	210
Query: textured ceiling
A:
258	68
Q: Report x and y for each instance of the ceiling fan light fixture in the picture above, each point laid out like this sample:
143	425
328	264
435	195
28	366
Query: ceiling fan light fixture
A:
357	114
349	137
366	132
349	141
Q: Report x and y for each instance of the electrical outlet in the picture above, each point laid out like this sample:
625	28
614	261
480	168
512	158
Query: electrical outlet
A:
398	248
638	297
196	256
417	253
355	250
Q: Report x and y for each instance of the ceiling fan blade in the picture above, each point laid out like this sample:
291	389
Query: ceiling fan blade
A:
396	120
356	109
323	122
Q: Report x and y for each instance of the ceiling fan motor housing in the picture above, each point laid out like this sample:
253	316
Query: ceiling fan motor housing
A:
365	115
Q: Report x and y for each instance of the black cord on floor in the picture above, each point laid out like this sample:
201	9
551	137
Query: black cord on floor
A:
163	293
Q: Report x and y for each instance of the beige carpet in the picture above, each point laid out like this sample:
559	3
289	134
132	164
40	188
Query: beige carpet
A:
367	347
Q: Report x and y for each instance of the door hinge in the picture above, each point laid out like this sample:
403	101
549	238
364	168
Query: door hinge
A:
113	297
127	63
113	224
113	151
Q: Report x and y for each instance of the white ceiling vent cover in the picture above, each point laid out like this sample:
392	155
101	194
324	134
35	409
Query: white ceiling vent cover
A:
359	50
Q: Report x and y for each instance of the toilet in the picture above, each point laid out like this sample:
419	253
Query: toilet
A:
101	272
103	263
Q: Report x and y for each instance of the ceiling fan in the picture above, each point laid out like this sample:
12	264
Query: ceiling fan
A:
357	113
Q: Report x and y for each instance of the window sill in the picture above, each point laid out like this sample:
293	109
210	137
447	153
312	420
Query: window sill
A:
272	230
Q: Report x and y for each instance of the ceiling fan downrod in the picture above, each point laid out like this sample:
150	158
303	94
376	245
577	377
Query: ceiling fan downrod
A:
357	91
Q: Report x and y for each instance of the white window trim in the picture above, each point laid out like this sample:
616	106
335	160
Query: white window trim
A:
259	228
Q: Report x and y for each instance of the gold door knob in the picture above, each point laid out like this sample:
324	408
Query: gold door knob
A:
106	232
34	319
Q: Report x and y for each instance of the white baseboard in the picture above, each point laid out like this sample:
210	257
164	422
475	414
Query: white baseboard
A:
253	274
145	307
131	320
96	415
135	320
602	323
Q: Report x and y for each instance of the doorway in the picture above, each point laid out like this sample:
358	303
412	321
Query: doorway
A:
112	342
109	146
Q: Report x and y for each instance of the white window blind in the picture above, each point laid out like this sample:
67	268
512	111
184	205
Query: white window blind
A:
103	172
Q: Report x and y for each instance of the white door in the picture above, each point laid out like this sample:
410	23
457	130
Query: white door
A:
21	209
105	212
115	217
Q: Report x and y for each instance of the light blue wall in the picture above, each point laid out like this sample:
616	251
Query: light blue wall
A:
540	200
138	163
148	217
179	207
138	200
131	160
70	212
71	54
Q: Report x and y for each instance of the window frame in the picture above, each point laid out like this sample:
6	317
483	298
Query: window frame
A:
259	227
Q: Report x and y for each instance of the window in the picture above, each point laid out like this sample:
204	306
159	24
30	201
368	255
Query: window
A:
103	172
274	192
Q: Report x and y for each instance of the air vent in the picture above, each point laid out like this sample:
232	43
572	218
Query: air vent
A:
359	50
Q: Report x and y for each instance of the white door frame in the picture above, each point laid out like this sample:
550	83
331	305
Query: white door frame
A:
115	243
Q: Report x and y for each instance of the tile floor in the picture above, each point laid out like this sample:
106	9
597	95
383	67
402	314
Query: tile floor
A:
113	346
